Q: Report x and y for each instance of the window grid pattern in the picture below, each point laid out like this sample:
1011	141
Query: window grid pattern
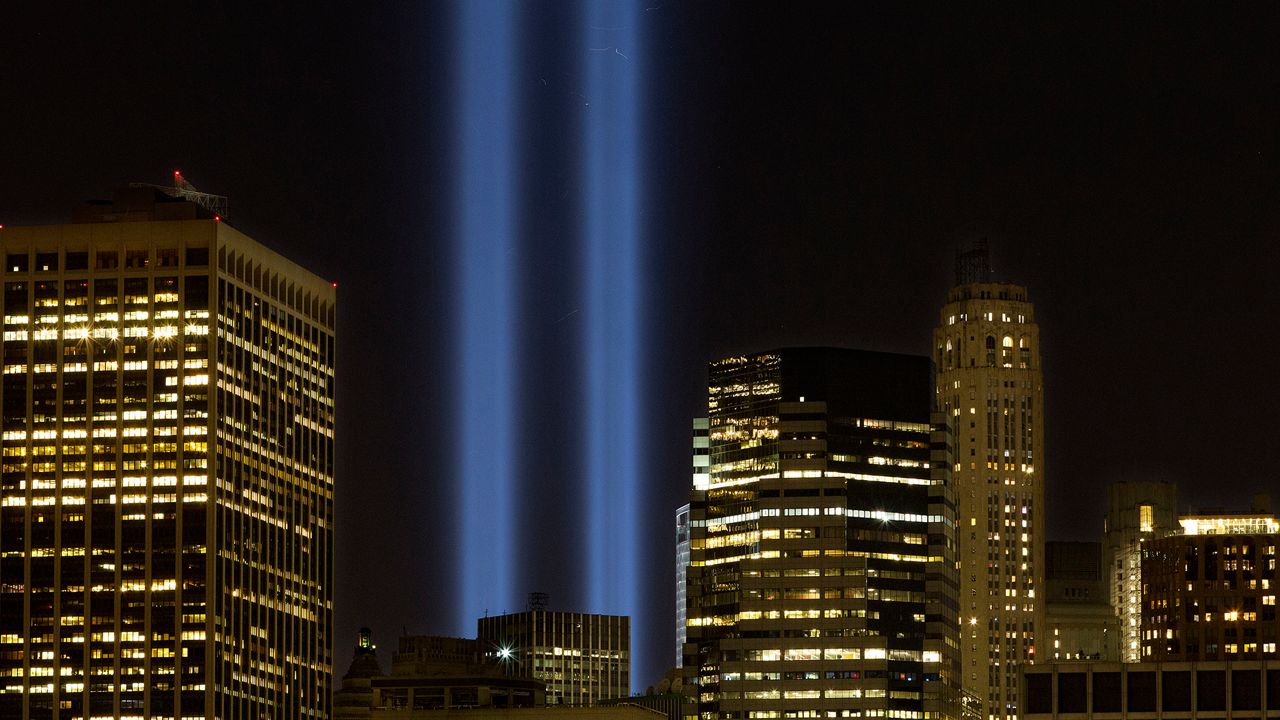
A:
989	383
149	569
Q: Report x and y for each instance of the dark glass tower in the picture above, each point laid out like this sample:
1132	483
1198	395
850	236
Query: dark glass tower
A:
822	550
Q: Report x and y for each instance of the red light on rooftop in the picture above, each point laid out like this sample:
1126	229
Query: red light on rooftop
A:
217	218
335	285
176	173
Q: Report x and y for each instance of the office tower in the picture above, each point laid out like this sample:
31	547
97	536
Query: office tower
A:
167	486
682	565
1210	593
821	576
987	349
1079	622
701	461
1137	512
581	657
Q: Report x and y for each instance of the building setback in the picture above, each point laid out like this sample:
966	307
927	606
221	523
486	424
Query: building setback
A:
581	657
989	384
821	580
701	463
682	566
1079	621
167	485
1137	512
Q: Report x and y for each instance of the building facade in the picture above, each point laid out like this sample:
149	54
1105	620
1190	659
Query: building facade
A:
1210	594
1152	691
989	384
166	500
682	566
701	464
1079	621
1137	512
821	579
581	657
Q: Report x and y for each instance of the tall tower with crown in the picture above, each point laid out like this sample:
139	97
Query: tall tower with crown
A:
989	383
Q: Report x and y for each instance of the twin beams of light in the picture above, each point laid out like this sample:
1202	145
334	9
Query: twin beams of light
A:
611	300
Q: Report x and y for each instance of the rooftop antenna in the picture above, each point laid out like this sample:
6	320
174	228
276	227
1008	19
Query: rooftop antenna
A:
973	266
215	204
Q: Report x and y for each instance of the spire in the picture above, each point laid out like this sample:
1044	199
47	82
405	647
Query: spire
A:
365	643
364	661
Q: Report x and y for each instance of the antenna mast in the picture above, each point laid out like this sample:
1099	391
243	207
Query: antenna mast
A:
216	204
973	266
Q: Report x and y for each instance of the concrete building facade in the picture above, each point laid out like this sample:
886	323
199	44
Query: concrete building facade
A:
989	384
1152	691
1079	621
821	580
166	500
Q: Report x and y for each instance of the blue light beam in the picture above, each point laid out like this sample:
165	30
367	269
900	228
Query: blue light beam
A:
486	250
613	287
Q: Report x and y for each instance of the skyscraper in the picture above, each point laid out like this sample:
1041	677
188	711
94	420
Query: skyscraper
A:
987	350
166	499
1137	513
821	579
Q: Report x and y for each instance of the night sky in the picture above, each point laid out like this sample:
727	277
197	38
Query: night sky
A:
811	172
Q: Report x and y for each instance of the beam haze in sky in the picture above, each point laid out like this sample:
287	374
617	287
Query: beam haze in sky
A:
612	281
487	253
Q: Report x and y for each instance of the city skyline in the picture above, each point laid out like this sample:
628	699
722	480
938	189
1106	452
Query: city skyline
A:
817	170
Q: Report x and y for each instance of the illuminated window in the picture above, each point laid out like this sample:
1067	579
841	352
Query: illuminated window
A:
1145	518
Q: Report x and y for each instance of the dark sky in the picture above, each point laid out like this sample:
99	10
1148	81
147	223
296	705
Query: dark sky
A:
812	170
